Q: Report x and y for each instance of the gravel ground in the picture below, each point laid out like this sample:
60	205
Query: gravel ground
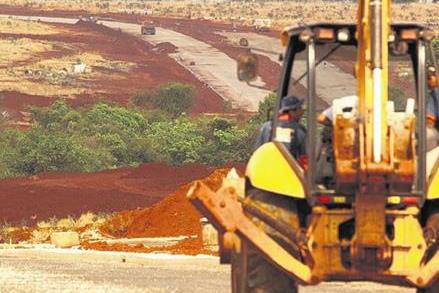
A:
55	270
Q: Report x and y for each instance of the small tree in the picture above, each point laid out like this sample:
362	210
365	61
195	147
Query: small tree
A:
436	47
176	142
174	98
58	116
266	108
143	98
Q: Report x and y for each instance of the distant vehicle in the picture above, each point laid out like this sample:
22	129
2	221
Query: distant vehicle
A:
262	25
148	29
243	42
88	18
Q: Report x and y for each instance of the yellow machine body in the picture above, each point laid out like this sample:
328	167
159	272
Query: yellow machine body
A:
433	184
271	169
375	156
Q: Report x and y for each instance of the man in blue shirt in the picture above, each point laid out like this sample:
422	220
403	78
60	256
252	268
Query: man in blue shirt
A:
290	112
432	111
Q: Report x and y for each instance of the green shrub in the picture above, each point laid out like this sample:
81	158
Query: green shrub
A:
265	109
174	98
176	142
41	151
58	116
104	118
108	136
143	98
436	47
226	146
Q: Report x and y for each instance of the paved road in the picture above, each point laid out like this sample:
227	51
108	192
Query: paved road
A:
208	64
55	270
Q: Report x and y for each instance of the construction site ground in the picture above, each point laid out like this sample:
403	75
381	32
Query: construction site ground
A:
210	54
208	51
213	68
52	270
125	262
64	194
149	201
120	65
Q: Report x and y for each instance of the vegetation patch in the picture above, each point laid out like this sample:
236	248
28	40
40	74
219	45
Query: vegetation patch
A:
107	136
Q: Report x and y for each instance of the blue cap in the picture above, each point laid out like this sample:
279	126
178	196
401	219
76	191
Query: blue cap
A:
290	103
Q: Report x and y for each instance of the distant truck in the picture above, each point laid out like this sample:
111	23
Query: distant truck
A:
88	18
148	28
243	42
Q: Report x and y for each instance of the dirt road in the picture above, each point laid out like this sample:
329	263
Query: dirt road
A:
218	71
53	270
333	82
207	63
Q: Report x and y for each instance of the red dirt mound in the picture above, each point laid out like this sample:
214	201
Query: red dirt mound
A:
37	198
172	216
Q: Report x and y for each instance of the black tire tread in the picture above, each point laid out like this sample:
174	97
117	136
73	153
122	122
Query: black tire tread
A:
251	273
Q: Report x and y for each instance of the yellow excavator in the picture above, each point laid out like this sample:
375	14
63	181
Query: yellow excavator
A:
366	208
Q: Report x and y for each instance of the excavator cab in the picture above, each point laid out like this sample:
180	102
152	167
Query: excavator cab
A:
366	205
321	66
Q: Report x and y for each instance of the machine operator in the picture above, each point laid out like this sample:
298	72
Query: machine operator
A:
289	115
432	109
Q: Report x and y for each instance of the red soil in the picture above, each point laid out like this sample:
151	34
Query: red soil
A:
153	67
203	30
192	246
172	216
158	66
46	195
15	101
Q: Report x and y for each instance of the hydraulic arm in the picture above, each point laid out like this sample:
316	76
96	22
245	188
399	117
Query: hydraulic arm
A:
371	247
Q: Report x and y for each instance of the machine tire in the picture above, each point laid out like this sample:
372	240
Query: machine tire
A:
432	221
251	273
